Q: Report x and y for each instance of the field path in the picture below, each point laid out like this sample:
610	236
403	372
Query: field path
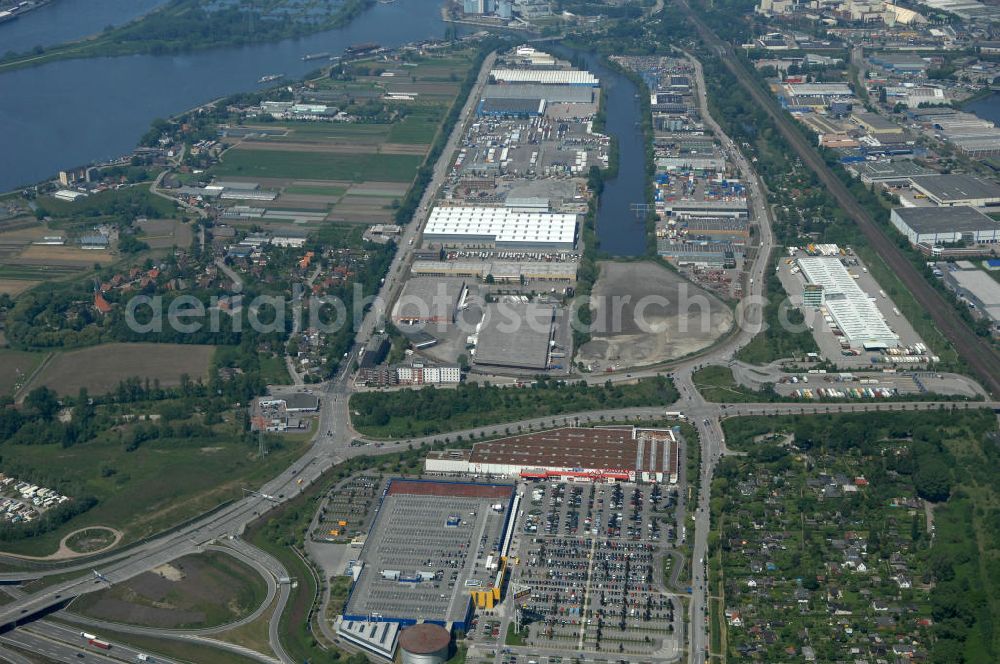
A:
21	393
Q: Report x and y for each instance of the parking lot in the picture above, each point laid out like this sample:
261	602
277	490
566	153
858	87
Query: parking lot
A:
348	510
590	557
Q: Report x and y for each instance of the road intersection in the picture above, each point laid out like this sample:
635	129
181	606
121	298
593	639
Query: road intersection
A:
333	445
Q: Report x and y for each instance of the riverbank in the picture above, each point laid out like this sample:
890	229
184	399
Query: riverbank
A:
182	26
116	99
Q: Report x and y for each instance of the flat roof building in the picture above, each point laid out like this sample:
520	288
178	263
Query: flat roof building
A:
616	454
552	94
545	76
428	300
431	547
515	335
890	172
934	226
514	107
958	189
850	307
978	289
500	227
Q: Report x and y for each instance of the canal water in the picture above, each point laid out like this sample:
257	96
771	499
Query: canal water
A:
988	108
72	112
619	231
68	20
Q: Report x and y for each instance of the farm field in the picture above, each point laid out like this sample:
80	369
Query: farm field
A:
101	368
319	165
165	233
203	590
15	367
15	287
327	167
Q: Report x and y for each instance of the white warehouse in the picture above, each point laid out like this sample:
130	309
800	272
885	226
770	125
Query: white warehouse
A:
850	307
501	227
545	76
939	225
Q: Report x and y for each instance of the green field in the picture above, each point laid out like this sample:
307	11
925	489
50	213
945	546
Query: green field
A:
15	367
318	131
413	413
162	482
316	190
207	590
419	127
319	166
717	384
37	272
137	198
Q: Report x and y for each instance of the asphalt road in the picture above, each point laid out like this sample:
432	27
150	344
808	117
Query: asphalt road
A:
976	351
332	444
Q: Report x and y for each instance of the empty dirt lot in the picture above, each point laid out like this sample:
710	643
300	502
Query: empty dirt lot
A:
101	368
644	314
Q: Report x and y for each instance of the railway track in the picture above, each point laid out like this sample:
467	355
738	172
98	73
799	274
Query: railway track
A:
981	358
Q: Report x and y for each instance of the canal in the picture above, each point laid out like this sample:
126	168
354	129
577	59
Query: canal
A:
620	232
988	108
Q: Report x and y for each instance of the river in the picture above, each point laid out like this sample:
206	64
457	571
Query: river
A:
68	20
73	112
68	113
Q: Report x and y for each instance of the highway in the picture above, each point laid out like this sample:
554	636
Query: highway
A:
332	446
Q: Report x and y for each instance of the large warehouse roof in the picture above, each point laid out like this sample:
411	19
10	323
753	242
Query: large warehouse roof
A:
955	187
634	451
501	225
546	76
852	310
553	94
956	219
424	533
515	335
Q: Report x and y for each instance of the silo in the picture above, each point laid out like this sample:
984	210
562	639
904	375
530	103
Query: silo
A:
424	644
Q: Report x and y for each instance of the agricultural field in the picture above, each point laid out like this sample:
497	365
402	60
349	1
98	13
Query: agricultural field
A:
24	265
15	368
101	368
203	590
316	164
165	233
355	171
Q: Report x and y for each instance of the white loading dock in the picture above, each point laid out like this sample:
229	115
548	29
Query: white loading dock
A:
850	307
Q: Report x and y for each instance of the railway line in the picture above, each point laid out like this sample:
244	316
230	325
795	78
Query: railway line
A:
981	358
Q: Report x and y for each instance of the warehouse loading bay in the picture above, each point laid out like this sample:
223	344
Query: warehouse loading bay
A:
911	352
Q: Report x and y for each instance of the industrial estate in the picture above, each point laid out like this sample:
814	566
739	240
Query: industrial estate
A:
514	332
